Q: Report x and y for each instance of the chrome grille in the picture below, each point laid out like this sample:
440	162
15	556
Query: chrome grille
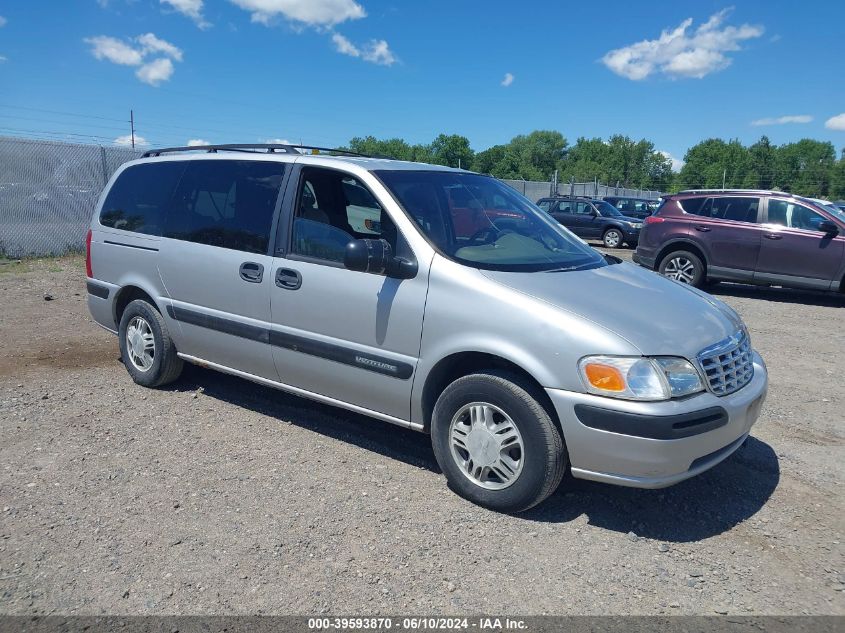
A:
728	365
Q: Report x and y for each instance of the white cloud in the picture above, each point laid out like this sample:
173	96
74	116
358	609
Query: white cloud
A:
151	44
781	120
126	141
508	80
113	50
836	123
375	51
679	54
156	71
194	142
119	52
344	46
3	21
677	163
316	13
191	9
277	141
378	52
3	58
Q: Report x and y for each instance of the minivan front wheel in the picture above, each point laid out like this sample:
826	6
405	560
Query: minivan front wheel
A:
147	351
496	443
685	267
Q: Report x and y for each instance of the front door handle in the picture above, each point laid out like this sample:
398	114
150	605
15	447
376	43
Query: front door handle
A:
772	236
702	228
253	272
288	279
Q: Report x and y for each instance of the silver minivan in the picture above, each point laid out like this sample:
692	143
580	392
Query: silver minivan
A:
437	299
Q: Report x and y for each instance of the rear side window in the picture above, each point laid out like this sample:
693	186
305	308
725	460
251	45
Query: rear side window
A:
545	205
226	203
139	197
693	205
736	209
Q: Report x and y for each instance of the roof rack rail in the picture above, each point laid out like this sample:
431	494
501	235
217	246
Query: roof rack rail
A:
269	148
734	189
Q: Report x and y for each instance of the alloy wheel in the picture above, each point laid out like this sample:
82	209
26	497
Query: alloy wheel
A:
680	269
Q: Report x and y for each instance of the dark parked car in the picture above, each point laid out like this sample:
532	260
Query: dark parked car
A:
593	219
760	237
633	207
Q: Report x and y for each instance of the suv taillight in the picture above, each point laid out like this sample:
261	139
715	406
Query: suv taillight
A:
654	219
88	271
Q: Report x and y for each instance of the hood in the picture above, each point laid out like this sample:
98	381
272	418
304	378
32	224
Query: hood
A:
628	218
655	314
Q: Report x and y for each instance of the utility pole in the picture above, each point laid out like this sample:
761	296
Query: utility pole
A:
132	127
724	176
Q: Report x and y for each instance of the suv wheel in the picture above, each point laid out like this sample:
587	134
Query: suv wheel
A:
612	238
495	442
685	267
146	347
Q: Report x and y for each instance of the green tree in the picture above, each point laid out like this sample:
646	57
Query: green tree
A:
763	160
805	167
713	161
452	150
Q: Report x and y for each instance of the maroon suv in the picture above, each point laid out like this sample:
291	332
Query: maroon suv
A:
760	237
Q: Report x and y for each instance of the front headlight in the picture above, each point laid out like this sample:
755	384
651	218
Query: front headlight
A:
639	378
637	225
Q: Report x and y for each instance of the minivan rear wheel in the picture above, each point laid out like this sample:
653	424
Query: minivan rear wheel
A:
496	443
147	351
685	267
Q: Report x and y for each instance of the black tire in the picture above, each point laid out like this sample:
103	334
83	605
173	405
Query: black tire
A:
544	459
166	365
612	238
685	267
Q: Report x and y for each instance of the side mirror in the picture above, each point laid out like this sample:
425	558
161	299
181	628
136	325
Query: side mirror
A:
376	256
828	227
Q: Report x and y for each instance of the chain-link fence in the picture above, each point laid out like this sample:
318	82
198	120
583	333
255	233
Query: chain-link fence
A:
534	190
48	191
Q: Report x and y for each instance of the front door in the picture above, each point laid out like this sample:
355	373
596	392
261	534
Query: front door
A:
794	251
347	335
588	220
215	264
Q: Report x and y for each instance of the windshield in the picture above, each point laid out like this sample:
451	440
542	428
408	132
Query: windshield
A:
607	209
481	222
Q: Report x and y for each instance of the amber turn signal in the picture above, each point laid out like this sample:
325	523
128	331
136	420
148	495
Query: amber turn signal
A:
604	377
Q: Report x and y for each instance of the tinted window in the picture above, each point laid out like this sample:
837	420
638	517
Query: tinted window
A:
583	208
736	209
515	236
333	209
137	200
565	206
226	203
793	215
607	209
544	204
693	205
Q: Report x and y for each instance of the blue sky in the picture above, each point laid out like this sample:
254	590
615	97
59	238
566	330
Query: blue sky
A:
322	71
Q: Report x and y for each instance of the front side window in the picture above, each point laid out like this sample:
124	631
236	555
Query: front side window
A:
794	216
139	197
545	205
226	203
583	208
607	209
509	233
332	209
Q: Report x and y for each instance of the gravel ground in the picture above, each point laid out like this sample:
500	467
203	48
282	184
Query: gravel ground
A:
219	496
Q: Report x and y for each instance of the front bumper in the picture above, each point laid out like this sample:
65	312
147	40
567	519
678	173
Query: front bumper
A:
636	456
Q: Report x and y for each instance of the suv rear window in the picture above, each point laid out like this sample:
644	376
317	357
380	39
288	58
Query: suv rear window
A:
138	199
226	203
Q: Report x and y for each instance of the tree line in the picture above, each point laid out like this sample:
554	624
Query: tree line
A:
806	167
